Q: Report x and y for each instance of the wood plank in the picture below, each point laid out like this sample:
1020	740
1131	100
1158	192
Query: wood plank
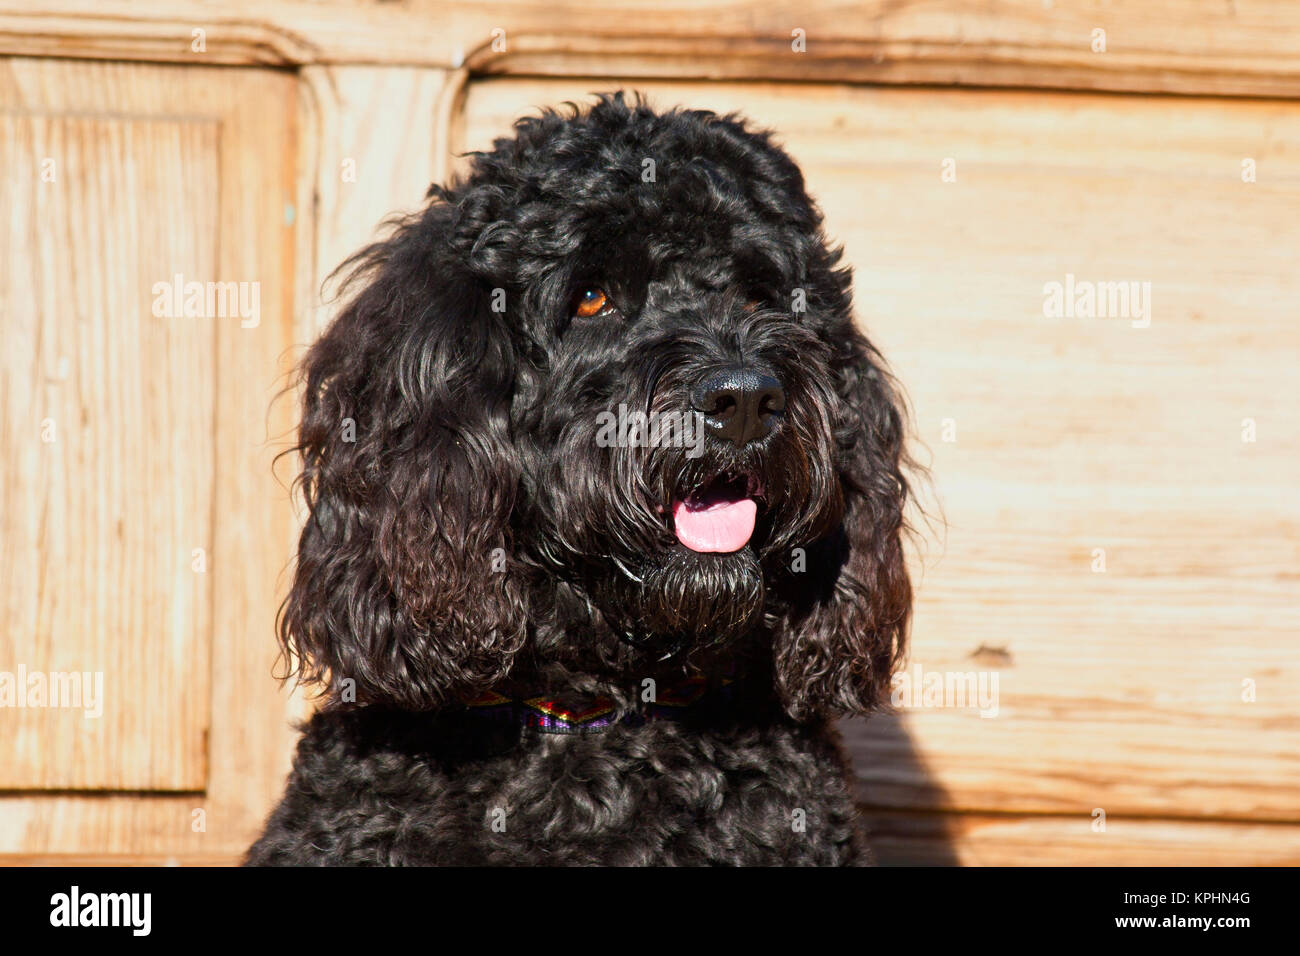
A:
80	860
373	142
1239	49
1122	689
109	411
965	839
120	825
256	535
249	743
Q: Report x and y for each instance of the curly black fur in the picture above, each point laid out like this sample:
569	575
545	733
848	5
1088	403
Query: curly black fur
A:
474	535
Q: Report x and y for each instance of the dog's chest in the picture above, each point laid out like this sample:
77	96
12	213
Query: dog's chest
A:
649	795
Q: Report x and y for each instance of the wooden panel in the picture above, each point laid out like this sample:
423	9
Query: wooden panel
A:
256	229
107	445
256	532
940	839
1124	689
371	150
1247	47
79	860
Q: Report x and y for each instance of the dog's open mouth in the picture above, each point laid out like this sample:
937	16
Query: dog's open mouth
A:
719	516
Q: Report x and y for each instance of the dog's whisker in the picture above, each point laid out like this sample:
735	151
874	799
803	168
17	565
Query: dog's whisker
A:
627	571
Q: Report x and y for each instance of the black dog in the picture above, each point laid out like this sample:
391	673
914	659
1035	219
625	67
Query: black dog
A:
545	645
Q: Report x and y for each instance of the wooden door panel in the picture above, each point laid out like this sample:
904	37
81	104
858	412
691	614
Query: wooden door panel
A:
108	446
149	539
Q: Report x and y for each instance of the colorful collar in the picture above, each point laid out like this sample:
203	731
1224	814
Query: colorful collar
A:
549	715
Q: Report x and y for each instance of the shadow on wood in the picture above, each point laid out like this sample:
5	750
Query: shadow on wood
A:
898	837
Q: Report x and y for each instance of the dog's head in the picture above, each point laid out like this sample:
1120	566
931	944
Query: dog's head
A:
602	402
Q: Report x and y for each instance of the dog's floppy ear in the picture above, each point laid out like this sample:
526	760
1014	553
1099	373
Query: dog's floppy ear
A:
405	584
836	652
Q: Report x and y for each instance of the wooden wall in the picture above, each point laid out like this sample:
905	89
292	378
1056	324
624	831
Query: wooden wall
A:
1113	519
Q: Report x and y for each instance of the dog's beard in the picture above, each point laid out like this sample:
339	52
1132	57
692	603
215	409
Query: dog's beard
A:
689	600
622	550
607	528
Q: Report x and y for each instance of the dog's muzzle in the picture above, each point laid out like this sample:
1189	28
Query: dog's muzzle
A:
738	405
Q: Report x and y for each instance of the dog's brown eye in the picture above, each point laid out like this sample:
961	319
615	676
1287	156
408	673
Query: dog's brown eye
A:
589	302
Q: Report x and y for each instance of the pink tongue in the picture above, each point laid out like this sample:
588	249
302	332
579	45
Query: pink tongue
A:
717	526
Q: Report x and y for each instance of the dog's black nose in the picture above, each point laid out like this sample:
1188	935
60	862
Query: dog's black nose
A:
739	404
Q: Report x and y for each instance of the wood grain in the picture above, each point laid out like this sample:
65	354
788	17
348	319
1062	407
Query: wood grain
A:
80	860
371	149
107	443
1245	48
243	208
1124	689
970	839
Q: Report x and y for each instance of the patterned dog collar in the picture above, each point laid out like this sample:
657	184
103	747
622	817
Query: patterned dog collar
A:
550	715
